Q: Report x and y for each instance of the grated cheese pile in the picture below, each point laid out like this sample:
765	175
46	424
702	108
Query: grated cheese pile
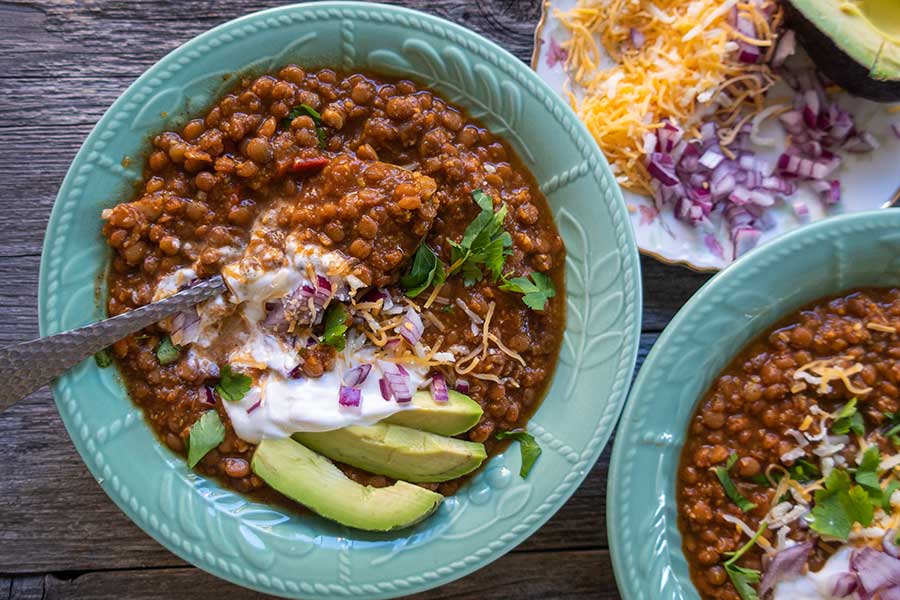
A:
673	59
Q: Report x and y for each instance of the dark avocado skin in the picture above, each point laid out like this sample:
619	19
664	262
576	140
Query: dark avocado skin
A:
836	64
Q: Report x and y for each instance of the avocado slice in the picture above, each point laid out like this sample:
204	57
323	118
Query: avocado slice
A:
398	452
313	481
459	414
856	43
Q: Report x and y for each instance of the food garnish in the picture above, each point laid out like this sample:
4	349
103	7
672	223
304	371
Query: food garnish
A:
484	243
233	386
167	352
427	270
207	433
536	289
336	318
730	488
528	446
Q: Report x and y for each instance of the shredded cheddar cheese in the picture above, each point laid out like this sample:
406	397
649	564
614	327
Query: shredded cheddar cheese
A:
686	70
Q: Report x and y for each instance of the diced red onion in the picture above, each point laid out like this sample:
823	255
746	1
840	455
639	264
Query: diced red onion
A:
787	45
833	194
348	396
876	570
185	327
891	593
385	389
411	327
357	375
713	245
637	38
668	137
801	210
887	542
784	565
462	386
439	389
844	584
398	381
275	316
256	405
296	372
209	396
712	158
374	295
662	167
744	240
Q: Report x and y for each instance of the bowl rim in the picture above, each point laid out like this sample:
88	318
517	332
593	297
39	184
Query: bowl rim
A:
629	588
626	247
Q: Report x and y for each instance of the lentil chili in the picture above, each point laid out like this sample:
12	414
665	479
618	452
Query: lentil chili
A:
374	168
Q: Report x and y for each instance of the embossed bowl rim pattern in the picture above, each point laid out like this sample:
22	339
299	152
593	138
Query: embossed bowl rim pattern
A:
253	544
740	302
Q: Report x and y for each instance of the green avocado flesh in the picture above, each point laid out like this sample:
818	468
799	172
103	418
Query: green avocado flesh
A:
856	43
313	481
397	452
453	417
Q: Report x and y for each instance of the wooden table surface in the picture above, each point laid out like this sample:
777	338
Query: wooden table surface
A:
62	63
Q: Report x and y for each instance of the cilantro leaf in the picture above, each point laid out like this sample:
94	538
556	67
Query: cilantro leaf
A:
207	433
839	505
892	486
527	445
730	489
867	474
167	352
103	358
536	291
485	244
335	326
743	579
233	386
427	270
893	427
849	419
803	470
304	109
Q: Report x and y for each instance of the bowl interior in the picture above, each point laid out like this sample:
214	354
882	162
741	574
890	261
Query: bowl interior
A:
732	308
268	548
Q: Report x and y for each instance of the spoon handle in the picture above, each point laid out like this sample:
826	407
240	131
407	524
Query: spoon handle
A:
30	365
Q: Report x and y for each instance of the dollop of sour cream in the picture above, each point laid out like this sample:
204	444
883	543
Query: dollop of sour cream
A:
816	585
278	405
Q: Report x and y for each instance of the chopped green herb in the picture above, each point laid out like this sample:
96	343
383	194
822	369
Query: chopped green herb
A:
167	352
335	326
320	135
803	470
527	445
867	474
233	386
103	358
447	309
839	505
427	270
730	489
744	578
893	424
484	243
892	486
759	479
536	292
304	109
207	433
849	419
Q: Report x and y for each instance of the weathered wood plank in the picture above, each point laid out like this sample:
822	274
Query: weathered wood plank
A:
574	575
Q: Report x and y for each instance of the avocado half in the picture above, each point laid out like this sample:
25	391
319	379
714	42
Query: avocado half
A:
856	43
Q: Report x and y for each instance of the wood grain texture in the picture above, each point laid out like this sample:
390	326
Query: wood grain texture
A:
62	63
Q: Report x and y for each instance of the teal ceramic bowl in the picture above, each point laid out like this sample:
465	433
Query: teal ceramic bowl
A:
736	305
266	548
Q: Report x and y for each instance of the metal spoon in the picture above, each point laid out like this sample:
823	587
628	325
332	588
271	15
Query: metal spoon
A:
30	365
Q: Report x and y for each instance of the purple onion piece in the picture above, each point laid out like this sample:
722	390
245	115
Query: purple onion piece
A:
787	45
844	584
411	328
348	396
256	405
462	386
891	593
296	372
209	396
876	570
887	542
357	375
784	565
439	389
385	389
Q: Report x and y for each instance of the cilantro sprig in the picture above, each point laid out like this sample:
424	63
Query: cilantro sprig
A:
207	433
528	446
743	578
839	505
427	270
484	245
167	352
232	385
336	319
849	419
536	291
730	489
